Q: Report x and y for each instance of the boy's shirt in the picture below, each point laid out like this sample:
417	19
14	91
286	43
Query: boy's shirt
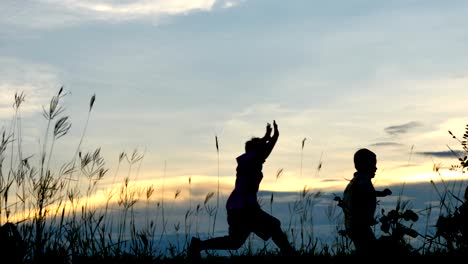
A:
248	177
360	201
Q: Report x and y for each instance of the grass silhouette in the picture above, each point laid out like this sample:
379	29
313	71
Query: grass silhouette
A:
58	222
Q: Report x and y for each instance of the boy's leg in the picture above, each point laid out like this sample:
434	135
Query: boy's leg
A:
281	240
194	249
229	242
239	231
363	239
268	226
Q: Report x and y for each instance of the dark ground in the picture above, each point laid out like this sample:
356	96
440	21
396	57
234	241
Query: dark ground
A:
263	259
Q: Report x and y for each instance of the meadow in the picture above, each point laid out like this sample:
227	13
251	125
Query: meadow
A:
58	222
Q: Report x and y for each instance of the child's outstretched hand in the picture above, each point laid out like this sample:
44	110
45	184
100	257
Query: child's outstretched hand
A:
387	192
275	126
268	130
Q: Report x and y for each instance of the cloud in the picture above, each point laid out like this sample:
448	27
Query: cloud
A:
36	81
386	144
137	7
402	129
59	13
330	180
443	154
231	3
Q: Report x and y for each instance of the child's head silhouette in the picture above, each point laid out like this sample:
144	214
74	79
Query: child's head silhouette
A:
365	160
254	144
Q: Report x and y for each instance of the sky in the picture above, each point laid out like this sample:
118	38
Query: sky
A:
172	76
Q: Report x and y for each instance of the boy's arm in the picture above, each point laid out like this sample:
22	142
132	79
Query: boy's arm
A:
383	193
272	140
267	135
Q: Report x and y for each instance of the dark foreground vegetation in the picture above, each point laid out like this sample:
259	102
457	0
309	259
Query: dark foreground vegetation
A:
47	215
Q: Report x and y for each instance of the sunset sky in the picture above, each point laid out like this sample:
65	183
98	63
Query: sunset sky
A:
171	75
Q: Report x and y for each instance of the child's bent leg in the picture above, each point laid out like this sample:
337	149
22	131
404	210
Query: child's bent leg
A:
231	242
281	240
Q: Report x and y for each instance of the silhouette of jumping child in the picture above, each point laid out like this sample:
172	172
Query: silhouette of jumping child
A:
360	201
244	214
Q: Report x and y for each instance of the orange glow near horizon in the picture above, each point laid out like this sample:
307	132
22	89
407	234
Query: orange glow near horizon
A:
194	190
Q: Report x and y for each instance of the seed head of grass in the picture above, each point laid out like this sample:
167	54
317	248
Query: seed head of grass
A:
319	166
188	213
62	126
5	141
177	226
149	192
305	191
279	172
177	193
122	156
92	164
19	98
91	102
208	197
436	167
54	108
136	156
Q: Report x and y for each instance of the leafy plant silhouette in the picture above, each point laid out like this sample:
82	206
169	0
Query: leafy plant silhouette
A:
394	239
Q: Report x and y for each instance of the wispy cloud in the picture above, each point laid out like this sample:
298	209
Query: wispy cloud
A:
36	81
138	7
231	3
386	144
402	129
443	154
71	12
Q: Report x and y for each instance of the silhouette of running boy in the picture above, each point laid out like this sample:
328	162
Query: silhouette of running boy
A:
244	214
360	201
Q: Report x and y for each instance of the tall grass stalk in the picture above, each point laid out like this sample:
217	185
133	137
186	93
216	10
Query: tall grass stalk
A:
217	190
48	185
188	214
302	154
20	173
83	133
164	222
